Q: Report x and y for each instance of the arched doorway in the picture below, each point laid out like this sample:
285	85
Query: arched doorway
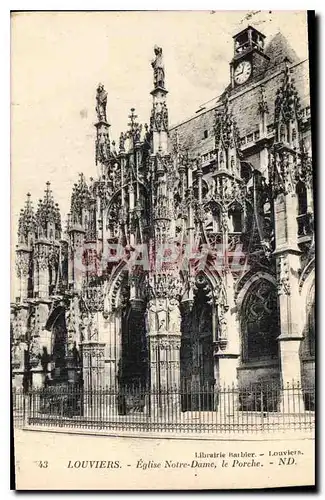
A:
56	323
134	361
133	365
196	356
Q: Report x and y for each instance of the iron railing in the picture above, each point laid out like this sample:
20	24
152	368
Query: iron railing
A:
260	407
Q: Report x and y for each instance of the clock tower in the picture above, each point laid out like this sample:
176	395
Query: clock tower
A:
249	59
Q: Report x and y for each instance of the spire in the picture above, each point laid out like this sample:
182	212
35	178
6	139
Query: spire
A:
226	132
287	107
279	49
26	223
48	218
79	199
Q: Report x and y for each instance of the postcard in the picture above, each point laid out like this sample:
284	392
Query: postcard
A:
163	250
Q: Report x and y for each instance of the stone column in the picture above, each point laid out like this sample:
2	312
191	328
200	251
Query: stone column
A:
76	265
22	267
164	339
41	276
227	348
93	354
18	343
291	331
18	363
109	332
288	266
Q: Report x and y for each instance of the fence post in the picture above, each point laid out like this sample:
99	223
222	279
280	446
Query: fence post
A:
26	407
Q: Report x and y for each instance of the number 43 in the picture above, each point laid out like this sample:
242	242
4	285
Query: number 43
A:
43	464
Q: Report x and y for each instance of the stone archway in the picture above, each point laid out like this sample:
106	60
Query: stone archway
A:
196	355
133	367
126	310
56	323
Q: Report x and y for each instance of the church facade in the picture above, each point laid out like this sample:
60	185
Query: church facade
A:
189	261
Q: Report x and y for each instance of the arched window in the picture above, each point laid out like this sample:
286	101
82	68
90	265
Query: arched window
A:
212	224
260	322
235	222
302	218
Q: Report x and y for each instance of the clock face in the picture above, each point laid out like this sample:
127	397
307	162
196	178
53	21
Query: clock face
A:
242	72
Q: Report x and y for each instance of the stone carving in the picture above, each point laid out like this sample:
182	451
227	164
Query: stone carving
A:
17	354
165	286
22	264
93	297
101	99
161	316
262	103
103	152
287	107
174	320
122	142
283	280
89	327
34	351
159	118
26	223
47	217
283	171
158	68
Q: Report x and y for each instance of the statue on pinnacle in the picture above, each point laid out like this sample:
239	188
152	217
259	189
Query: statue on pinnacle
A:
158	68
101	98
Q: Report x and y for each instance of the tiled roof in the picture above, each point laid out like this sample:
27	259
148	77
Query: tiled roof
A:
278	49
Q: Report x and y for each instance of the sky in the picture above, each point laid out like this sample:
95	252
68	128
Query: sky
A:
58	59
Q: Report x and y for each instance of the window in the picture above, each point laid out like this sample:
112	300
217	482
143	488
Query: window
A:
256	135
250	138
235	220
260	322
301	198
270	129
205	134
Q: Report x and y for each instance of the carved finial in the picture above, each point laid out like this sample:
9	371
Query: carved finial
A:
121	143
26	222
132	123
135	128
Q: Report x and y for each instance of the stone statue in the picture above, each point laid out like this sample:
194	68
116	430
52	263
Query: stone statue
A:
151	318
101	99
158	68
161	316
174	317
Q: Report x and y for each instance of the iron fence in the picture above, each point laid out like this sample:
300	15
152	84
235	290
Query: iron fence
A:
207	409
